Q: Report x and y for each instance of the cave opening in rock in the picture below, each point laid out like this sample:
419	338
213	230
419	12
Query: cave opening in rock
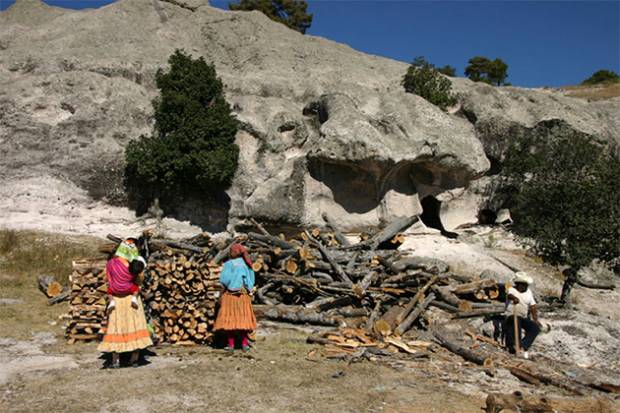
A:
487	216
431	209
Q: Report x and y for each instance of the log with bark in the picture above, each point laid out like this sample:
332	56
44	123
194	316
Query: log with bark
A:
49	286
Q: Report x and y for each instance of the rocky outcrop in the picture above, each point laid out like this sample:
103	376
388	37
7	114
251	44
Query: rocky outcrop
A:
324	128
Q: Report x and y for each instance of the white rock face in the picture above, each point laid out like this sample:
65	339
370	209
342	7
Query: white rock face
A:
325	128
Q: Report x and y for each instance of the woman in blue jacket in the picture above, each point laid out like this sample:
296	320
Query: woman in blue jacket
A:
236	316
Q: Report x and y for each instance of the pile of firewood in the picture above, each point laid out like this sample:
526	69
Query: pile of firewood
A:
181	292
319	277
88	300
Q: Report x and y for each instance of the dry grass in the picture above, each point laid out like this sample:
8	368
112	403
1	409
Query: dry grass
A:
594	92
24	255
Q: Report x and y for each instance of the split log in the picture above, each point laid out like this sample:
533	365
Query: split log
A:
410	319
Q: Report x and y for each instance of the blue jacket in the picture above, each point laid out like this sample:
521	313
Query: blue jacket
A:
237	274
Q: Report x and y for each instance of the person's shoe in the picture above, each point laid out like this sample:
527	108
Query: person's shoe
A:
229	349
107	366
246	349
526	355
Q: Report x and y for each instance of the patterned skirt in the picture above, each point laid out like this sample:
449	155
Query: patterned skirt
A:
127	330
235	313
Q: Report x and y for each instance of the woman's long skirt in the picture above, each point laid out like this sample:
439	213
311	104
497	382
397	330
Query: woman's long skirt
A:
127	330
235	313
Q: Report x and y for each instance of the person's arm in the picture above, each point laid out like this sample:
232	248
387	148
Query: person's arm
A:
512	297
250	280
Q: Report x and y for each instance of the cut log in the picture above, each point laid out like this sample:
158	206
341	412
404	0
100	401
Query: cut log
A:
392	229
342	240
466	353
343	276
414	301
410	319
294	314
481	312
387	323
473	287
49	286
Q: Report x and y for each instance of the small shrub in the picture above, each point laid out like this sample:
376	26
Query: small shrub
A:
602	77
425	81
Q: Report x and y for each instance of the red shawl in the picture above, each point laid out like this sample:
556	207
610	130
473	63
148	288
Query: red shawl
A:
120	280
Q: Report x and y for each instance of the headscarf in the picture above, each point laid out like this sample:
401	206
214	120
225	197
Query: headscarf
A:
238	250
128	250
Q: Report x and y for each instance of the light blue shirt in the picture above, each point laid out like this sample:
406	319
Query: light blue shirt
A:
236	274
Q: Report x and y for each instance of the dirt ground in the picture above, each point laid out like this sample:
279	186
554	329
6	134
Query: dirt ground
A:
39	372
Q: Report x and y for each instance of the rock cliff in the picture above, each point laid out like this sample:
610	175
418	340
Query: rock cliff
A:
324	128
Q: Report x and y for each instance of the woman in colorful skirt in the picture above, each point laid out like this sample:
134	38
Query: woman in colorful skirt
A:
126	330
236	316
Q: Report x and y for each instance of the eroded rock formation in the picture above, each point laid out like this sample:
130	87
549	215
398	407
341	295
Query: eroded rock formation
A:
324	128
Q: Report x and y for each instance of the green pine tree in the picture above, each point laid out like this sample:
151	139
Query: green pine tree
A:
192	150
292	13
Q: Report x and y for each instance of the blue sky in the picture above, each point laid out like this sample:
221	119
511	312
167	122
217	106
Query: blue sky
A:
545	43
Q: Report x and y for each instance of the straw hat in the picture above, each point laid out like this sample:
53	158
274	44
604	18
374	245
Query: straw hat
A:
522	277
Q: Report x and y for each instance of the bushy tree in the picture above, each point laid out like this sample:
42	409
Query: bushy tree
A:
564	196
292	13
425	81
602	76
482	69
192	150
447	70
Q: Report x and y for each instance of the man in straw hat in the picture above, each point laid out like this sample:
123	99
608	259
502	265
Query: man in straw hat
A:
519	302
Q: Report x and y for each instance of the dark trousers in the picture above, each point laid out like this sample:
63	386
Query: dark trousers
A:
531	331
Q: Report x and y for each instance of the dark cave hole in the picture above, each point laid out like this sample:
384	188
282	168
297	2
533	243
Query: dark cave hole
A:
487	217
495	168
431	208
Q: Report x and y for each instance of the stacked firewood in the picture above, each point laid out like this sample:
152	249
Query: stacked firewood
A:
181	292
88	300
